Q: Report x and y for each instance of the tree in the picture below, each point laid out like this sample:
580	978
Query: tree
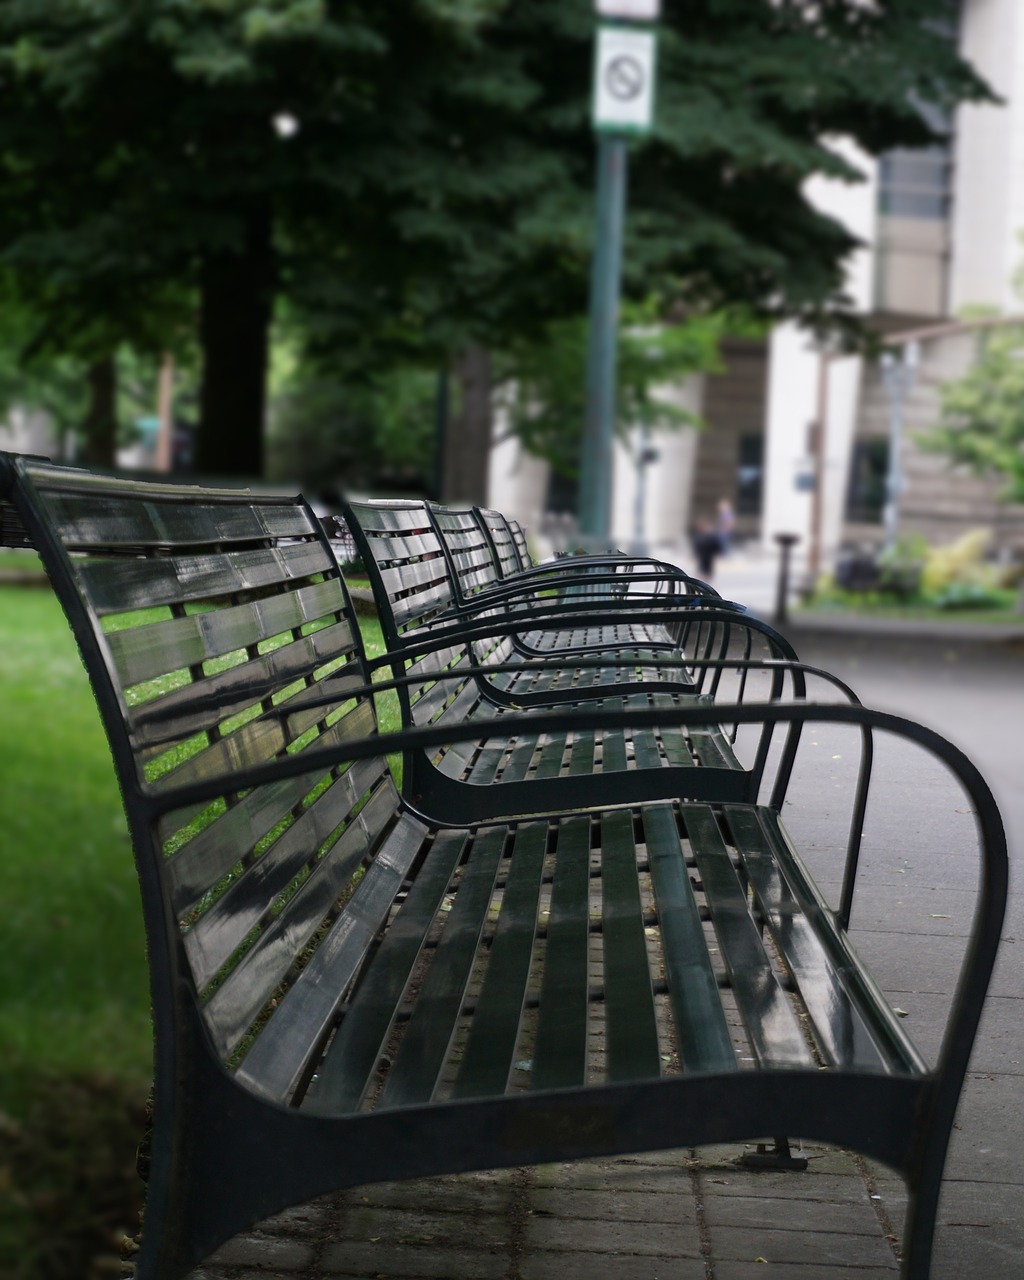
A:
545	377
485	240
142	138
981	422
436	196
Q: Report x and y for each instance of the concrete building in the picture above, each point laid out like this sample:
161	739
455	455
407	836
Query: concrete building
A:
800	441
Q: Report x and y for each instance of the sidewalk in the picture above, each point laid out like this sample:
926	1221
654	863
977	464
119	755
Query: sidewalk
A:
679	1215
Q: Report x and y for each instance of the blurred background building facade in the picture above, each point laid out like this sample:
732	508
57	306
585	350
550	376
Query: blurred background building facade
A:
798	438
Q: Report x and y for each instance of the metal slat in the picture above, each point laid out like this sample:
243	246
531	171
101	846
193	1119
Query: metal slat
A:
768	1016
155	648
284	1049
208	702
843	1012
355	1051
211	942
702	1033
117	520
254	743
560	1051
490	1050
212	852
423	1051
232	1008
613	742
522	756
632	1027
118	586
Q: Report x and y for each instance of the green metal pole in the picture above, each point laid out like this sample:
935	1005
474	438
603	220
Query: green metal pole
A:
595	491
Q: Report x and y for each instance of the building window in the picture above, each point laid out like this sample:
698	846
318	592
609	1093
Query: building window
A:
915	184
750	475
865	495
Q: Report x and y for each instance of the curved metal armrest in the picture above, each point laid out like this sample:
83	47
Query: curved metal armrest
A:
447	629
614	564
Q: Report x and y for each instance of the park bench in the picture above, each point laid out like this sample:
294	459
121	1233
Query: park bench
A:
347	990
457	666
515	565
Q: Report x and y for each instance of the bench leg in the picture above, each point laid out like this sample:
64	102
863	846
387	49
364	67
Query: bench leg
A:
919	1232
778	1157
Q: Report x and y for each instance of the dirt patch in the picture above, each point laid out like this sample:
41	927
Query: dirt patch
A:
67	1171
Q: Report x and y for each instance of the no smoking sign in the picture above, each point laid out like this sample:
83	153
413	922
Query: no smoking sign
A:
624	79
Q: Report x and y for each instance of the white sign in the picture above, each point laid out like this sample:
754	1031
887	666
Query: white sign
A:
631	10
624	79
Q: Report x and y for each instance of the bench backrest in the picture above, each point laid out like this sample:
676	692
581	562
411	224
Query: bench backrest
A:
406	564
506	546
470	554
220	638
519	538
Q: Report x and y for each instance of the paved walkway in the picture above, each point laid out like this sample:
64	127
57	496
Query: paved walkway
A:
675	1216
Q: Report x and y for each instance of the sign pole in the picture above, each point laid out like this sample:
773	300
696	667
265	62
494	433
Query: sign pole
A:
595	499
623	105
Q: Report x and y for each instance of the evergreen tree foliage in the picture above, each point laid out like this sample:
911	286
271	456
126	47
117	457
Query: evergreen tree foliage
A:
437	191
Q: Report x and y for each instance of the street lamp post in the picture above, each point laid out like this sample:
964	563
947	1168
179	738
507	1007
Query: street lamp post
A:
623	105
898	376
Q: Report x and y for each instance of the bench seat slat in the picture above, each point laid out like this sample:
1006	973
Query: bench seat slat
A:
582	753
212	852
277	1061
118	586
613	745
423	1052
234	1005
703	1036
560	1050
632	1027
352	1057
842	1010
765	1008
223	928
490	1049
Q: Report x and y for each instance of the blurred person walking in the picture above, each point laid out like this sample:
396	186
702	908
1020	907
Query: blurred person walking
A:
706	546
725	523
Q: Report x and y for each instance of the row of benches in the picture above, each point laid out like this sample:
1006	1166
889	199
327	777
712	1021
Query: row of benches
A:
575	925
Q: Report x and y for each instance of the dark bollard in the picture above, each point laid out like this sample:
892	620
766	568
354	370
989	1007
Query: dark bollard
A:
786	541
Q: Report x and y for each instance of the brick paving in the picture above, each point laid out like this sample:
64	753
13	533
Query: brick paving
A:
686	1215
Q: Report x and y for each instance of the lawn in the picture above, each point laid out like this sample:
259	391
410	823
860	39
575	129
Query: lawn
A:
1007	614
75	1058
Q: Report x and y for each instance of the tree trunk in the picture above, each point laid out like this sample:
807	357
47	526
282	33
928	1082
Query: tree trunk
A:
237	291
468	444
100	425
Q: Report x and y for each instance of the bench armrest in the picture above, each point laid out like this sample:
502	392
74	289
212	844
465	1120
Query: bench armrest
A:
447	630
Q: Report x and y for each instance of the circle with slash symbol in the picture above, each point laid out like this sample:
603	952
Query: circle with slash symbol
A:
625	77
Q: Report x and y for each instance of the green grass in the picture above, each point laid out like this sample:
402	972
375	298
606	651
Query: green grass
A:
1008	615
75	1047
75	998
19	561
75	1056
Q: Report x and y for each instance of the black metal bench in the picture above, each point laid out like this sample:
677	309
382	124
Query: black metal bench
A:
347	990
458	657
